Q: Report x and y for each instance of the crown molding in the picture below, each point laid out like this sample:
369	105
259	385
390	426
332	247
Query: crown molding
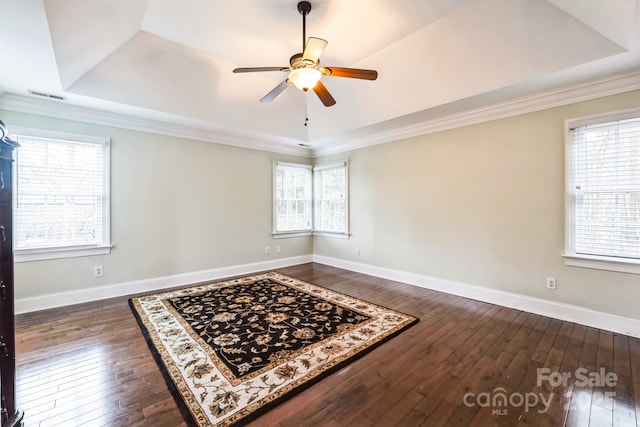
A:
169	127
584	91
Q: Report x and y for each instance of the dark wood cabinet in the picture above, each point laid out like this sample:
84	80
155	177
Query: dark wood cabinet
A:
10	415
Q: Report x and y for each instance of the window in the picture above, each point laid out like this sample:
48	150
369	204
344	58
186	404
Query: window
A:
310	199
292	198
330	198
61	195
603	189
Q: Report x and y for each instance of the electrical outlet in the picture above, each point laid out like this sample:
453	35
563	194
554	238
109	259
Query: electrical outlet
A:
98	271
267	250
357	252
551	283
278	249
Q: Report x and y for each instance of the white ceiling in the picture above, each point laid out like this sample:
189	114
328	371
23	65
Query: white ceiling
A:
172	60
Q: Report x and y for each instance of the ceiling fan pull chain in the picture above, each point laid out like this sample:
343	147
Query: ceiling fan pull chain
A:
306	109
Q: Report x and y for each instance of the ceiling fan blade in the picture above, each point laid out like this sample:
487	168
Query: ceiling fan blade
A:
275	91
354	73
257	69
314	49
323	93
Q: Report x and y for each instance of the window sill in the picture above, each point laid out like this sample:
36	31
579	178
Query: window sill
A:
335	235
28	255
622	265
286	235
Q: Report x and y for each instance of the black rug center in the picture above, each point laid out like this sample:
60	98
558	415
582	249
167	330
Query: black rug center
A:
250	326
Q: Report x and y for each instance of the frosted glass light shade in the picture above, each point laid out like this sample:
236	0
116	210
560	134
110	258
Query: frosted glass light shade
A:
305	78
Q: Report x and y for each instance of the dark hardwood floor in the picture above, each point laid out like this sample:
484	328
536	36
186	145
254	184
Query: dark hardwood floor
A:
89	365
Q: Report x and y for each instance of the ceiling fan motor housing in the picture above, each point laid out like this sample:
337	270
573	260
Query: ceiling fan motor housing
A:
296	61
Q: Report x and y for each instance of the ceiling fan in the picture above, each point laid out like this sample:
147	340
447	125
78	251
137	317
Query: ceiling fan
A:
305	70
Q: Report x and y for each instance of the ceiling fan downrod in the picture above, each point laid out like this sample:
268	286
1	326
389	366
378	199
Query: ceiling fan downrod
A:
304	7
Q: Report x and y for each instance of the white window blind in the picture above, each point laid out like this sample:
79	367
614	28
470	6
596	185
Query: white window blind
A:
292	198
605	187
61	197
330	198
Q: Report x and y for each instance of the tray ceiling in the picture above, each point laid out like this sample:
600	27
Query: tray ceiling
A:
173	61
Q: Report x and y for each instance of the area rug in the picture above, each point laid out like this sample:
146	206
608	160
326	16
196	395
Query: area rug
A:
230	350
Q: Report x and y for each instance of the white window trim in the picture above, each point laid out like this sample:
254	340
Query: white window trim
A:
334	234
28	255
40	254
602	263
337	234
310	232
571	258
289	233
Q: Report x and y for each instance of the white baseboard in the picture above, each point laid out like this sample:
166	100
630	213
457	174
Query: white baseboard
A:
568	312
60	299
571	313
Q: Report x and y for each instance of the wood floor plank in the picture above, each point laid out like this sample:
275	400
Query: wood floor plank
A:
624	409
634	359
579	409
88	365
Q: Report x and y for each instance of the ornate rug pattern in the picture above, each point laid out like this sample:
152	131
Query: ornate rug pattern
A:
232	349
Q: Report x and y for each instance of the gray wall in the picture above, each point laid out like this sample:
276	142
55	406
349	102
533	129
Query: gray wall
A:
481	205
178	206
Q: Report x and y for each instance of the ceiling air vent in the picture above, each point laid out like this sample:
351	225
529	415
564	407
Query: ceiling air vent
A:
47	95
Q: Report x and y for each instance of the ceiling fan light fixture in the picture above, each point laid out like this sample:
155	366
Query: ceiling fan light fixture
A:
305	78
304	68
